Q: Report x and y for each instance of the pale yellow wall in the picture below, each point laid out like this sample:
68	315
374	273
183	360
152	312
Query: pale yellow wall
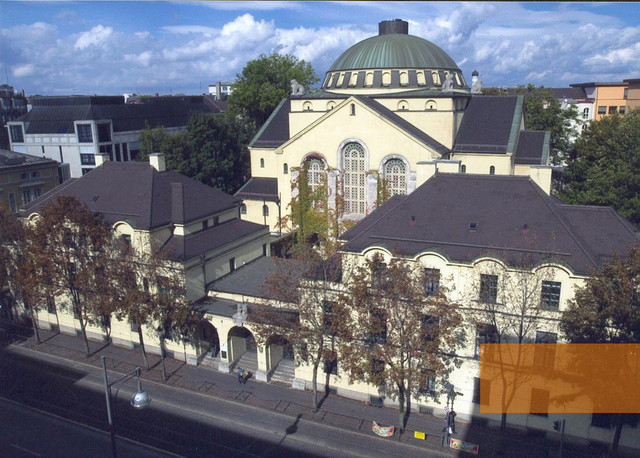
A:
540	174
481	163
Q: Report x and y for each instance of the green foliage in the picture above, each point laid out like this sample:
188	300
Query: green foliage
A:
264	82
604	166
151	141
213	150
544	112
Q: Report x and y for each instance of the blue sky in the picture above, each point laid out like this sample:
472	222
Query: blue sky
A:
145	47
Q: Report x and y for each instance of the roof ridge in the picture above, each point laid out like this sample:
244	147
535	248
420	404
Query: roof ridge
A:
582	245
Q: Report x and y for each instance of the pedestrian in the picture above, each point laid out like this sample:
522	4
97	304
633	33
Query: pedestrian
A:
240	375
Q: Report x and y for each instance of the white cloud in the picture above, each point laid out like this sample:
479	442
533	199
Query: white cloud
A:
142	59
21	71
97	36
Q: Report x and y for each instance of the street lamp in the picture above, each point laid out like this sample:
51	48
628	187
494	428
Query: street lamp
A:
140	399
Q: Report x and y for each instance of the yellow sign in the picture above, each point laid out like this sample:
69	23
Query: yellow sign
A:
419	435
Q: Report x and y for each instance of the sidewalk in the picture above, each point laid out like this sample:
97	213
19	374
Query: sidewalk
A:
334	411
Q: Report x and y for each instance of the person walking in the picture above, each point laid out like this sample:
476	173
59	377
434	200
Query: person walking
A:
240	375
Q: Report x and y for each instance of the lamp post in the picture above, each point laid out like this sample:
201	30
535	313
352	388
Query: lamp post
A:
140	399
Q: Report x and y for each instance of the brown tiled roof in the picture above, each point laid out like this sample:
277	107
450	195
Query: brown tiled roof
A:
465	216
135	192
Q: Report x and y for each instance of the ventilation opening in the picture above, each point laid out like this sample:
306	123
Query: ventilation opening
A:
473	225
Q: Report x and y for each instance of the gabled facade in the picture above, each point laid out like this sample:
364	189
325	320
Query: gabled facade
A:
197	225
609	98
73	130
391	110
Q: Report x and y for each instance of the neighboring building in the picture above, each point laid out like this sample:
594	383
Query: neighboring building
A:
220	90
72	130
24	178
633	93
391	110
471	232
609	98
199	225
576	97
13	104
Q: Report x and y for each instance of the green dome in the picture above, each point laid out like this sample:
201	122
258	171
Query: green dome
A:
393	50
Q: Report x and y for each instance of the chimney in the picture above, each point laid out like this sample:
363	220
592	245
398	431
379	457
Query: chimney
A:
101	158
396	26
157	161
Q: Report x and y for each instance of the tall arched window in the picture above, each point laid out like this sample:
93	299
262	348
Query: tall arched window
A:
265	210
395	173
492	170
585	113
315	169
463	168
285	168
354	178
261	163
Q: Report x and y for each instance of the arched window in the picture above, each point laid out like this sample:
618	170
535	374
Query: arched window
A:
331	105
386	79
492	170
404	78
307	106
585	113
315	170
353	109
421	79
436	77
368	80
354	178
285	168
395	173
463	168
354	79
265	210
261	163
431	105
403	105
340	80
243	209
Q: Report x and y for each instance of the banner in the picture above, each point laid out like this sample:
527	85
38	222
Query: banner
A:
457	444
384	431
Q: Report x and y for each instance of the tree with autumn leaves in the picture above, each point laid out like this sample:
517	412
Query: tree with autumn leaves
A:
395	333
299	300
70	254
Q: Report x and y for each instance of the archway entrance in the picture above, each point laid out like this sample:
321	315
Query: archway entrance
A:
207	336
280	360
242	349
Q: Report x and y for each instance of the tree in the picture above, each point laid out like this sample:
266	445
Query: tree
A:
213	149
607	310
510	307
395	334
604	165
544	112
69	260
299	306
264	82
151	141
149	291
17	268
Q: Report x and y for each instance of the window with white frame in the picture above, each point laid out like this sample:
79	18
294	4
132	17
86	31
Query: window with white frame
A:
585	113
315	170
354	178
395	173
488	288
17	135
431	281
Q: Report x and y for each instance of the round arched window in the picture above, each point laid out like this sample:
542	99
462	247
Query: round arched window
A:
395	174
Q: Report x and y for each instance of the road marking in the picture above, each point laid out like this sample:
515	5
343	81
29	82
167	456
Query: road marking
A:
25	450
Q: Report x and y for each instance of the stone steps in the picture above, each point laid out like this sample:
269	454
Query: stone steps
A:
248	361
284	373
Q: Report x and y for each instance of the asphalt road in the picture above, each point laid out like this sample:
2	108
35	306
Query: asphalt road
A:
178	421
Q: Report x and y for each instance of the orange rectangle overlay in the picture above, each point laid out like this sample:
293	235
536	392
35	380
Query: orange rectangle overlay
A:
559	378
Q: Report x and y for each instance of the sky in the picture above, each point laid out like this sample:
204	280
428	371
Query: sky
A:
148	47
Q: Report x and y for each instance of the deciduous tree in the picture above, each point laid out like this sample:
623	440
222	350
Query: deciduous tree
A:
264	82
300	296
607	310
394	334
69	258
604	165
